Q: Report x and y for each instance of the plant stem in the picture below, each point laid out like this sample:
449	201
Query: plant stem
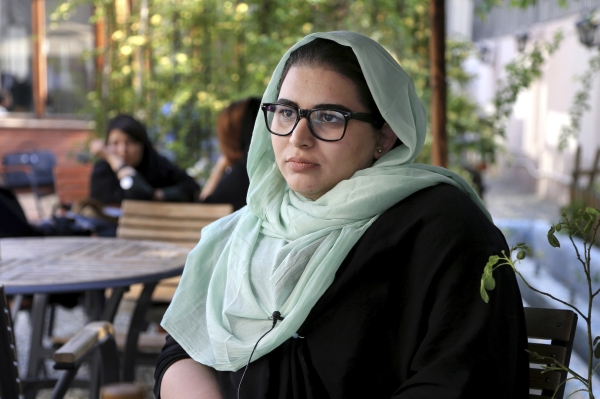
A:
550	296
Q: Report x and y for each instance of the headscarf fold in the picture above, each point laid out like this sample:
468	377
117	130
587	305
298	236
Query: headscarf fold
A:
216	314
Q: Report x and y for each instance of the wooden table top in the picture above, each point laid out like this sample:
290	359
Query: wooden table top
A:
63	264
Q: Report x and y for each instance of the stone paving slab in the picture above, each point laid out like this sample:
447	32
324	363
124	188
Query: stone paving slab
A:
507	199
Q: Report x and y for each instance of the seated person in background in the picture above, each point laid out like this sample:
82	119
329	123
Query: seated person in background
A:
130	168
5	101
228	181
13	222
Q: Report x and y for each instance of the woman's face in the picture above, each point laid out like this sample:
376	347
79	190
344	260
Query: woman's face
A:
130	150
312	167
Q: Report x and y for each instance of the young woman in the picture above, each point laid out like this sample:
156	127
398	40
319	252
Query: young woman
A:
228	182
130	168
359	269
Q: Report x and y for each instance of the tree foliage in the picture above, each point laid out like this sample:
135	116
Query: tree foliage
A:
581	102
520	73
176	63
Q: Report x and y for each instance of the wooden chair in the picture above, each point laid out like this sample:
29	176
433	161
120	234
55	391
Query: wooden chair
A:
98	335
557	326
178	223
72	183
95	336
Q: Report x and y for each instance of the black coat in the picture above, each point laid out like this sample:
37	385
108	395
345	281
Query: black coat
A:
13	222
403	317
177	184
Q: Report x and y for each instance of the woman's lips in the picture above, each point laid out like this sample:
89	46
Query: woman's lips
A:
300	164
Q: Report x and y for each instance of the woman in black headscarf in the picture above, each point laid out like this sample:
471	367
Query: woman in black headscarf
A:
130	168
228	182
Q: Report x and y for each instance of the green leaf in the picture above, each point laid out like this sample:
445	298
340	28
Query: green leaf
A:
592	211
483	293
553	241
521	255
597	351
589	224
493	260
489	282
558	227
596	340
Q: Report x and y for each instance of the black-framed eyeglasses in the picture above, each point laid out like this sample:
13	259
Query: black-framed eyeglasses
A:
325	124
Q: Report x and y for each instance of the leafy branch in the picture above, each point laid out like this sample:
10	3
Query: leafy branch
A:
581	102
583	223
520	73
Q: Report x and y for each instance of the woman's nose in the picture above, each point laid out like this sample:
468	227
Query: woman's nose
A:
301	136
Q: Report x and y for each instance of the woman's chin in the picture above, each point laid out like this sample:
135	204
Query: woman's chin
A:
307	191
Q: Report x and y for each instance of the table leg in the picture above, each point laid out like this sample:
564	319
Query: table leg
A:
37	352
138	320
17	301
94	303
112	305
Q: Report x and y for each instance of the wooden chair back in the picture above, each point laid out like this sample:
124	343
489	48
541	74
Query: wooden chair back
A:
10	384
72	182
558	327
178	223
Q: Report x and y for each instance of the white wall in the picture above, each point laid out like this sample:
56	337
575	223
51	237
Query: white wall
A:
459	18
541	111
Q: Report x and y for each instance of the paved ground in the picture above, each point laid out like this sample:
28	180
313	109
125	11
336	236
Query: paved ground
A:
504	198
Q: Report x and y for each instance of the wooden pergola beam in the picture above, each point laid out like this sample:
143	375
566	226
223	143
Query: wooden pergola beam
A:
38	56
437	51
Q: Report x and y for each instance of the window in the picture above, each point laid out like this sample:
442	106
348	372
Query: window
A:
16	74
50	76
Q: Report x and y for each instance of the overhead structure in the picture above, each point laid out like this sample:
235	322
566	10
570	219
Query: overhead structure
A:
437	60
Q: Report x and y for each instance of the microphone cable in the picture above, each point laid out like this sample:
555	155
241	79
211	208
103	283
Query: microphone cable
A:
276	316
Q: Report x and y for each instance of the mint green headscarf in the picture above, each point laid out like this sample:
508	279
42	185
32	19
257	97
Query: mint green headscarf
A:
217	314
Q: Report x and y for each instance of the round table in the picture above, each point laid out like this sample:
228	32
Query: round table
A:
47	265
67	264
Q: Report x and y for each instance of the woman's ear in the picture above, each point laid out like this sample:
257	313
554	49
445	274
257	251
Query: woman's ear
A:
385	142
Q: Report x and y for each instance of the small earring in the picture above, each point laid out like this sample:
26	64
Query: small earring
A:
379	151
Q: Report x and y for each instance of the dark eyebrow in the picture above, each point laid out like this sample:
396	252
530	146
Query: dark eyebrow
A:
287	102
324	106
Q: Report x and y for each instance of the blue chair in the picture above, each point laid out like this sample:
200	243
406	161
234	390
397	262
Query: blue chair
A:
29	170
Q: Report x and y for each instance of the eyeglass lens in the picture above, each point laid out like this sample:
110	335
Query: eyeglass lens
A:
326	124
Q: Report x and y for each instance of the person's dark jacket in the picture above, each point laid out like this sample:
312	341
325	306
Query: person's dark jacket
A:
403	317
154	172
13	222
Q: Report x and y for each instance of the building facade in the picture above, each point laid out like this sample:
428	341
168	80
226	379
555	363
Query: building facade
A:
541	112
